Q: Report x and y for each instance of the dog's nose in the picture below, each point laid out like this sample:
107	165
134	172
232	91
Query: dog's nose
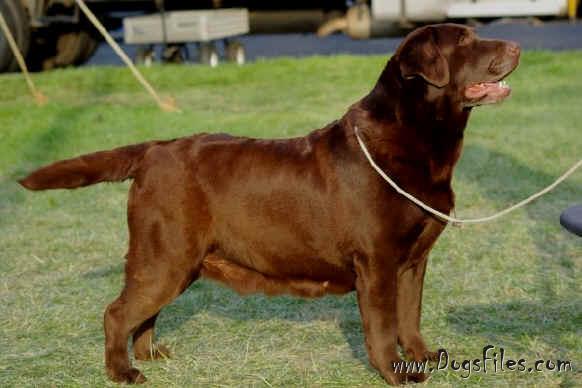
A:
513	48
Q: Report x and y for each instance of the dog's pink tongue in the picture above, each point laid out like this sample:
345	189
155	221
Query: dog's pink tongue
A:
478	90
490	91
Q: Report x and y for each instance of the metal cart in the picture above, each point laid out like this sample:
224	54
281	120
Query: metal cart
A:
176	28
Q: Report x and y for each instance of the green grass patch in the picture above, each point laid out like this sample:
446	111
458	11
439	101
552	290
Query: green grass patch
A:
514	283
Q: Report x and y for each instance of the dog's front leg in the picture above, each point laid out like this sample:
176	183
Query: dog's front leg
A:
410	286
376	286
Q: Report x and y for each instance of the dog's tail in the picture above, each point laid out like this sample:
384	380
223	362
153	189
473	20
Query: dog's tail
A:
104	166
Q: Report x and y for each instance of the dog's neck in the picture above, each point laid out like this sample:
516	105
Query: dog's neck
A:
399	116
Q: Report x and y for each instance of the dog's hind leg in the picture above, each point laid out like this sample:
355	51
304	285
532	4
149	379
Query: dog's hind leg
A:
164	258
134	312
167	220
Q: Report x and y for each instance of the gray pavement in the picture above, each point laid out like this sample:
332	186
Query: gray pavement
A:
555	35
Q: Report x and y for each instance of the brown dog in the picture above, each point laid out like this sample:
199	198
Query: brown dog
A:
306	216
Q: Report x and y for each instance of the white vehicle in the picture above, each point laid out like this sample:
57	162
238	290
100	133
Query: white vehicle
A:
381	17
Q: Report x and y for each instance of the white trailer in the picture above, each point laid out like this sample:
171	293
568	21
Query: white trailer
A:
440	10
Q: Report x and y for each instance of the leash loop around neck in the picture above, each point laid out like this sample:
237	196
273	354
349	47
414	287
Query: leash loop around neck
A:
446	217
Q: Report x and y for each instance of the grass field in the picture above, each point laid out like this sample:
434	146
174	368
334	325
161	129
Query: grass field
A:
514	283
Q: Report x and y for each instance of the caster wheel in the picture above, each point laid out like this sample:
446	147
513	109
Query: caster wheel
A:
145	56
208	54
235	52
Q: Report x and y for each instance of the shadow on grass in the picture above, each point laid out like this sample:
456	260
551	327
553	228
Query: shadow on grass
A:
208	297
551	315
517	319
508	181
104	272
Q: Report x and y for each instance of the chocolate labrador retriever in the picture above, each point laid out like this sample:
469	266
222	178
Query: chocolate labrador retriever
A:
306	216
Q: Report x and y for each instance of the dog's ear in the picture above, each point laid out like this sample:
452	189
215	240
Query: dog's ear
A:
420	55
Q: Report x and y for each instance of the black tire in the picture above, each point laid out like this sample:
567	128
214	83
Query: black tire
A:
61	48
42	46
72	48
88	48
235	52
19	24
208	54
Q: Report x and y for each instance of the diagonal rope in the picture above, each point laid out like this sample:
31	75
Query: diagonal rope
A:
168	104
455	220
38	96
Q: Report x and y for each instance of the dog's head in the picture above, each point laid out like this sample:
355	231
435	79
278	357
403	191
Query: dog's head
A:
449	61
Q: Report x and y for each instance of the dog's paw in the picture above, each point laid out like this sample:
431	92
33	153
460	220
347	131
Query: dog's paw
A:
399	378
423	354
157	352
129	376
433	356
396	375
414	378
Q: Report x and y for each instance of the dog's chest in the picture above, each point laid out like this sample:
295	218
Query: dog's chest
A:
407	230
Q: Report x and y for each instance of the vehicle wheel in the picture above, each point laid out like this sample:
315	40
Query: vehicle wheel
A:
88	47
235	52
72	48
42	46
208	54
18	22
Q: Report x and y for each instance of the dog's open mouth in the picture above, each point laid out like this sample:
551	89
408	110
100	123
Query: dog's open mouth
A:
487	93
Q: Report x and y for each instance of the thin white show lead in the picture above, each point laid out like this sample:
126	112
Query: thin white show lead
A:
446	217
